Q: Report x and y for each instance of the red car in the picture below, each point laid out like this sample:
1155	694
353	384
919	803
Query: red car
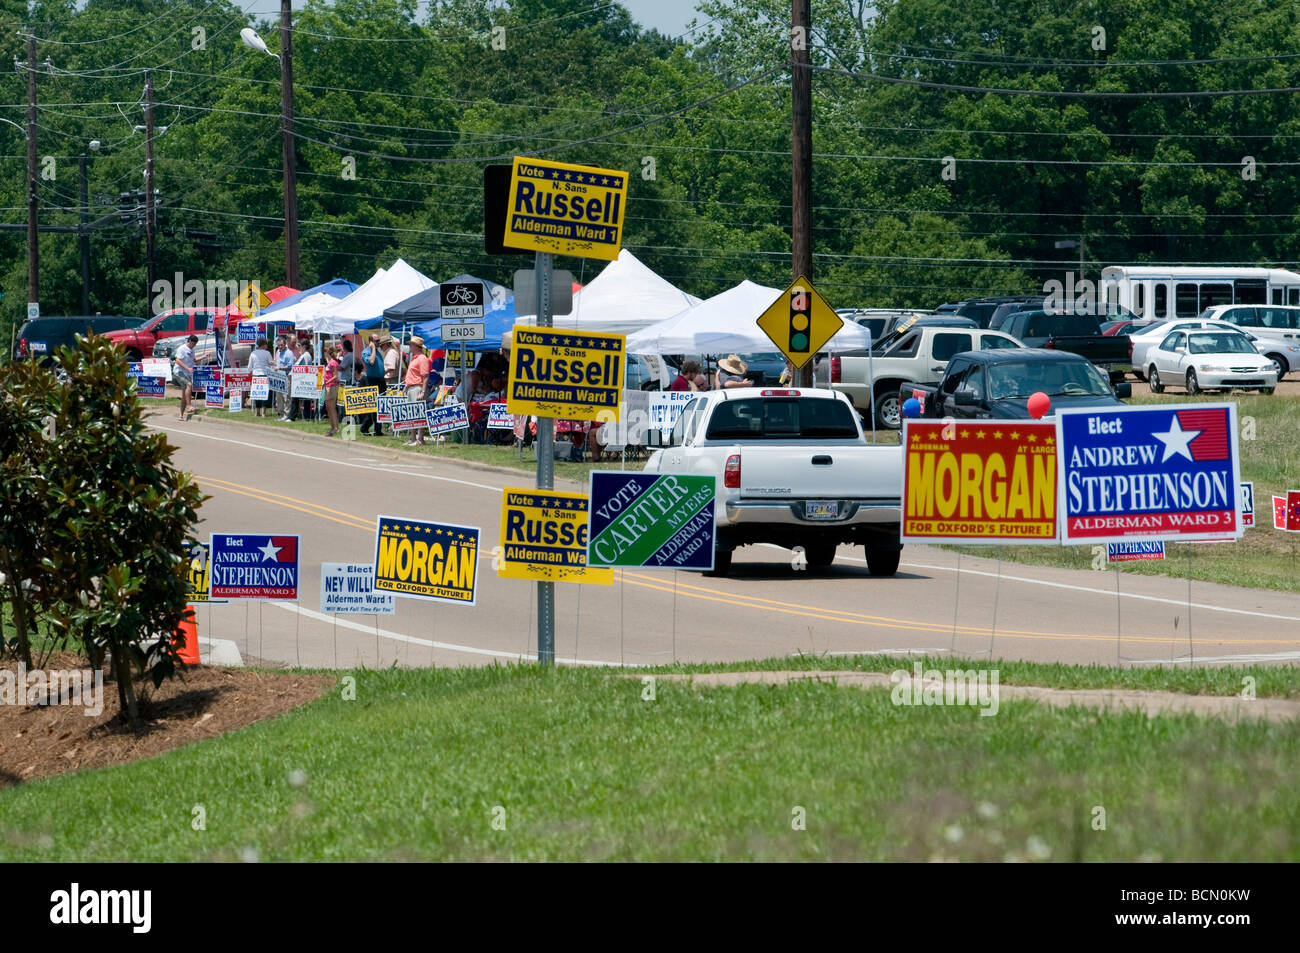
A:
138	342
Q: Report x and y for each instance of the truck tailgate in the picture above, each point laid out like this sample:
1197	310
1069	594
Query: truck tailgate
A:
831	472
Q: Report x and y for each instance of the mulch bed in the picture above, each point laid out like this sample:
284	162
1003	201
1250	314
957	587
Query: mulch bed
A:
42	741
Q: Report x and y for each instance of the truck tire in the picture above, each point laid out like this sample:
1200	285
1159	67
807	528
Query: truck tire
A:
721	562
820	555
133	355
883	560
889	411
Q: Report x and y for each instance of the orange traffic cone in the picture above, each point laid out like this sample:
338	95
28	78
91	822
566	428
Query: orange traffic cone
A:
187	638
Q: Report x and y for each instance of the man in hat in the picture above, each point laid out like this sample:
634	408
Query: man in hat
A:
417	380
731	373
372	363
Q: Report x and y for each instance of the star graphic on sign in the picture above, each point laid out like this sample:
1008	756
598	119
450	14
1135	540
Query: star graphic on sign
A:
1176	440
1015	435
568	175
460	535
1033	438
979	435
438	532
1050	440
965	434
269	551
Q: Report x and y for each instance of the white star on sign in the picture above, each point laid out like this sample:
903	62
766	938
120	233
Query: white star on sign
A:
1176	440
269	551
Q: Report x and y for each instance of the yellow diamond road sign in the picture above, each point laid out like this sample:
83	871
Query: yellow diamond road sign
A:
800	322
251	300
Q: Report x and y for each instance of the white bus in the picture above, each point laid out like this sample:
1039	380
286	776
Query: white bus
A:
1157	293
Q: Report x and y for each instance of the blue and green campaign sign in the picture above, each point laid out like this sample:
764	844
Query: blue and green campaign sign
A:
659	521
253	566
426	560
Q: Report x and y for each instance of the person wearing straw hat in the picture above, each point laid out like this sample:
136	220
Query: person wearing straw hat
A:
417	380
731	373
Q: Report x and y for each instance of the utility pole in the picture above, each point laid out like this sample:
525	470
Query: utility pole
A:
33	207
85	236
149	250
801	152
286	127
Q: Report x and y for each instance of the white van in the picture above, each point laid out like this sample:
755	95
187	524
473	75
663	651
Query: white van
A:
1275	320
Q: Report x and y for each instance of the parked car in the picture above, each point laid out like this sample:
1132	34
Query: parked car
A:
1142	340
918	356
1275	319
1209	359
793	468
880	321
39	338
998	384
1076	332
1104	311
180	323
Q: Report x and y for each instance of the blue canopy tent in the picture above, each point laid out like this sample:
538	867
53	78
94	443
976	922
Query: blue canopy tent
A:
422	314
338	288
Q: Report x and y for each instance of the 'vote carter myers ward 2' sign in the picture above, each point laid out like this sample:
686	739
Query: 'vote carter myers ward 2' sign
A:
660	521
560	373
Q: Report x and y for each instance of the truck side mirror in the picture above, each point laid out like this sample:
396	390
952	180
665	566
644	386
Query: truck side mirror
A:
1124	390
965	397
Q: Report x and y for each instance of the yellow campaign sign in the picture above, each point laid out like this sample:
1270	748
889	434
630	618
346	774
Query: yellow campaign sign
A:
426	560
200	576
569	374
800	322
360	400
565	209
544	537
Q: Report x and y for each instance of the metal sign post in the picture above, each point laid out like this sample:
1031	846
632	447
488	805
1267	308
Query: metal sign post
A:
545	471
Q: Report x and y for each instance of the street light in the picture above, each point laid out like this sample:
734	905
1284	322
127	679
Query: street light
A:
254	42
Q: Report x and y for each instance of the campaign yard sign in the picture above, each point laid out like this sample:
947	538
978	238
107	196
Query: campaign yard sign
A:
1134	552
305	381
406	415
559	373
157	367
385	405
565	209
544	537
205	376
979	481
278	382
261	389
446	417
236	402
666	406
1160	472
1286	512
360	400
246	332
658	521
426	560
499	416
213	397
253	566
236	379
350	587
200	577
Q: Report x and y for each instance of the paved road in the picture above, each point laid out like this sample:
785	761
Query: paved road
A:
330	492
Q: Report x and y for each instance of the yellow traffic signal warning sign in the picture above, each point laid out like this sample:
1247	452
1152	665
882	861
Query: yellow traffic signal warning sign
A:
800	322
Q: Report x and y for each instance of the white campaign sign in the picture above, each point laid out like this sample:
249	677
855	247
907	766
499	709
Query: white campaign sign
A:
666	406
236	401
261	389
350	588
156	367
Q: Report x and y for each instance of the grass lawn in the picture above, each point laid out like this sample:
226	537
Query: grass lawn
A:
577	766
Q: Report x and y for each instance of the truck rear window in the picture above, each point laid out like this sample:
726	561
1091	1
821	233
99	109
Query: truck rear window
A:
816	418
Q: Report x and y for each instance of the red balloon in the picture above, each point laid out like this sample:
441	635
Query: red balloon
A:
1039	404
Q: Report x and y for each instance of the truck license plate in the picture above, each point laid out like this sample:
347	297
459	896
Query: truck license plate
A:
823	510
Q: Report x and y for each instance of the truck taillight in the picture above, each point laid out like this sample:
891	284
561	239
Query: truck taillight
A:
731	472
1130	349
1050	345
22	347
835	370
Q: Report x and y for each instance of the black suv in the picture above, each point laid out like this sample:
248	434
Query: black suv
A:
39	338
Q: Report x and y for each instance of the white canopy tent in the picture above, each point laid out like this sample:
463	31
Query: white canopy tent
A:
301	314
384	289
727	323
625	297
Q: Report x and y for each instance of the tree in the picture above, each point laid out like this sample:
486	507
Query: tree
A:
112	519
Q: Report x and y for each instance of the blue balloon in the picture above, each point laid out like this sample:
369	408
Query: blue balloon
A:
911	407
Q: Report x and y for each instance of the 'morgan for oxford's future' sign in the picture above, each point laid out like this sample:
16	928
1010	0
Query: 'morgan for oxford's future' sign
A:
1160	472
979	481
426	560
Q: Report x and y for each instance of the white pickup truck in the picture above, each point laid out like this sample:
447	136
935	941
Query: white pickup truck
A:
794	469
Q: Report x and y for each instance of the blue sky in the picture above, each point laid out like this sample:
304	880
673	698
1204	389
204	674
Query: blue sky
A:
667	16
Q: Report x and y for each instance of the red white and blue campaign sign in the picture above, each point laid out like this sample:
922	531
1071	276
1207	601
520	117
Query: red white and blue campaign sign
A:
205	376
1162	472
251	566
1286	512
146	386
1134	552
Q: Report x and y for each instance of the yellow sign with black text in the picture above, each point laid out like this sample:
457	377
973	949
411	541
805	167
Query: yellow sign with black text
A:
426	560
200	577
360	400
565	209
544	538
568	374
800	322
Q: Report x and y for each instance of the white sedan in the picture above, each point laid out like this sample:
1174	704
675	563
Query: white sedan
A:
1209	360
1141	340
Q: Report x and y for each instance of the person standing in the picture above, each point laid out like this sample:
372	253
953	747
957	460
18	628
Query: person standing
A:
685	376
372	364
417	380
349	366
298	405
392	363
731	373
183	373
283	361
331	385
259	362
